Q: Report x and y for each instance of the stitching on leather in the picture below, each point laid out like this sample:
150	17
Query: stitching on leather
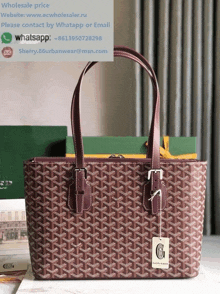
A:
90	196
83	195
144	197
165	196
68	199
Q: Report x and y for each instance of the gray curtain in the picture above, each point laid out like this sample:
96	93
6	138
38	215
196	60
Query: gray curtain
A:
181	39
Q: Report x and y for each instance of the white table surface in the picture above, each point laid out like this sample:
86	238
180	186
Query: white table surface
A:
208	281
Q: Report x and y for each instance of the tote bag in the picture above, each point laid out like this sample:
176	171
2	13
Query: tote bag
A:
98	218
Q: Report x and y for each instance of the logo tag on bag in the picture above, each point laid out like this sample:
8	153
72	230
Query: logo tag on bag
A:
160	252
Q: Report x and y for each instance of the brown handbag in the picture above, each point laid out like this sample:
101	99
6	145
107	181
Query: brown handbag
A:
115	217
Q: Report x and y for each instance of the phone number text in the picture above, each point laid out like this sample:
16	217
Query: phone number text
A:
79	38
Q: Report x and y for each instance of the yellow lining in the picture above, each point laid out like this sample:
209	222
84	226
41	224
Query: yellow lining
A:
107	155
164	153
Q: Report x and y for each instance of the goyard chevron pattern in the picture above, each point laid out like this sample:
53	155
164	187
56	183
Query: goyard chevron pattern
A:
113	239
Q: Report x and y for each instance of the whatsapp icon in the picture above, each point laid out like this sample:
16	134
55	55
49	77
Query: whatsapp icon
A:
6	38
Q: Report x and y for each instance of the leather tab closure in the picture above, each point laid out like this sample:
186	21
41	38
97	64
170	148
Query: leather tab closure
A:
154	193
79	194
80	176
79	203
155	186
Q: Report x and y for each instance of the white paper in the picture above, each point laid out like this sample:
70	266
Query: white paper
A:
160	252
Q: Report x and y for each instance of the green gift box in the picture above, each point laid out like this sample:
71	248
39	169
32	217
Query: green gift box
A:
19	143
130	145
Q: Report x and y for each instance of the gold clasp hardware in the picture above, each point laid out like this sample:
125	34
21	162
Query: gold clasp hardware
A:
116	156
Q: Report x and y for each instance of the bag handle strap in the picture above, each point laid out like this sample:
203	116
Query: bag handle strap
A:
82	188
154	138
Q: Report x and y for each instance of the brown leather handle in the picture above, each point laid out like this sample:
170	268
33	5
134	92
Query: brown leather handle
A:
154	138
